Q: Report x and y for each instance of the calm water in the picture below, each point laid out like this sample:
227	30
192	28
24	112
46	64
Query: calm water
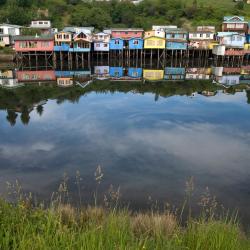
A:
149	138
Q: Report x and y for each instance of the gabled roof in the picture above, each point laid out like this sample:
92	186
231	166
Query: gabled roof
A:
234	19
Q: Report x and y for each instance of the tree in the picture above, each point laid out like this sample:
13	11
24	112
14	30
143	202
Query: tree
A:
25	116
39	110
11	117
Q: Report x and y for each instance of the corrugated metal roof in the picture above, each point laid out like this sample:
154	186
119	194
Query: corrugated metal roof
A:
33	38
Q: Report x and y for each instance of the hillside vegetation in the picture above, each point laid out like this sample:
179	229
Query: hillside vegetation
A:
187	13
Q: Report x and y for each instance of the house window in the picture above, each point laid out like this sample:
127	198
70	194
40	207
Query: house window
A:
239	26
135	74
239	38
45	44
105	45
105	71
117	42
40	22
150	42
1	31
135	42
194	35
98	45
66	36
207	35
172	35
26	77
230	26
34	77
116	73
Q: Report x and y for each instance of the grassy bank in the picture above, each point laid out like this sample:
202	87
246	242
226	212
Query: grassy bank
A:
63	227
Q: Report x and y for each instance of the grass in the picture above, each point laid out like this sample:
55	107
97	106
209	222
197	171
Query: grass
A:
64	227
24	225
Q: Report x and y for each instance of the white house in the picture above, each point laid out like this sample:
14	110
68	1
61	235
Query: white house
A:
101	41
7	31
101	72
41	24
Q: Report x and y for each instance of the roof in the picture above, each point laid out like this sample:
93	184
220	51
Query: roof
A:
33	38
127	29
74	29
10	25
223	34
233	19
176	31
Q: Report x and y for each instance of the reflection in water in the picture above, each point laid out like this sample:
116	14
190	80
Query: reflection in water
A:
150	128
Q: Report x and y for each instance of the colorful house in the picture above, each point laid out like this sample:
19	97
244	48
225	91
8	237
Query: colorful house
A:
34	43
43	25
64	82
101	41
135	73
174	74
235	24
153	74
126	34
63	41
116	72
135	43
101	72
198	73
176	39
154	42
81	42
7	32
156	33
116	44
231	39
202	38
36	76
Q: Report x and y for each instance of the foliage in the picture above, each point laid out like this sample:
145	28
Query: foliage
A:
102	14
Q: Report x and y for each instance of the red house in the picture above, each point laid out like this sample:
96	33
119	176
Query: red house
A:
34	43
126	34
36	76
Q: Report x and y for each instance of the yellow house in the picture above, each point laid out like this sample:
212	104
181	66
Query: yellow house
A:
64	82
247	46
153	74
212	44
63	37
154	42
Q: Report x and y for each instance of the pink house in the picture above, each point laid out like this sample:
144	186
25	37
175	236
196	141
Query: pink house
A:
33	43
36	76
126	34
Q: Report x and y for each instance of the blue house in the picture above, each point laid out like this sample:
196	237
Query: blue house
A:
116	72
116	44
248	38
172	73
135	72
135	43
176	39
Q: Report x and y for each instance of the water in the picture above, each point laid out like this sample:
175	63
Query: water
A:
149	137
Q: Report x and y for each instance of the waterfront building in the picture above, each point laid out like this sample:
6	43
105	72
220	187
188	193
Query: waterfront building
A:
154	33
153	74
135	43
63	41
81	42
34	43
174	73
116	44
36	75
176	39
64	82
7	32
135	73
235	24
126	33
116	72
101	41
154	42
202	38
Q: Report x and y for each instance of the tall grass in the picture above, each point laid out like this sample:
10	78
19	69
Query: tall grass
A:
26	226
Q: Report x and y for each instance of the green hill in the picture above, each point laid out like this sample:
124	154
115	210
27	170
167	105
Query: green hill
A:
187	13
